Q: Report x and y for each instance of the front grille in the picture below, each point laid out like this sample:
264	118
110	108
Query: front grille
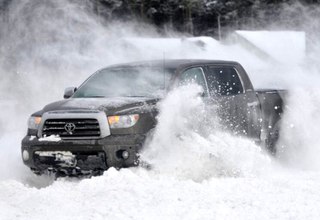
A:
71	128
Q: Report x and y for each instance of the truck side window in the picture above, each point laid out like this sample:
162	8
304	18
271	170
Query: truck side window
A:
223	81
194	75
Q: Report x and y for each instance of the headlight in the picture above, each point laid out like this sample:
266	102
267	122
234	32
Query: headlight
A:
34	122
122	121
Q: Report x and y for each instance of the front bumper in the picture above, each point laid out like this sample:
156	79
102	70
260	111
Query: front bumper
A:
81	155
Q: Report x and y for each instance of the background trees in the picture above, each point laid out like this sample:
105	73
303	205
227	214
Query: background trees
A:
204	17
208	17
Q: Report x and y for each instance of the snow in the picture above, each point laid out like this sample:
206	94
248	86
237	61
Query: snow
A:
278	44
164	48
51	138
197	172
140	194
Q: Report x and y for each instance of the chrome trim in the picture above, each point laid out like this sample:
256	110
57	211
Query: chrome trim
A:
205	80
100	116
241	81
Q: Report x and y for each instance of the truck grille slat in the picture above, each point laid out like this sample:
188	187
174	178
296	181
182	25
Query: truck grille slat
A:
78	128
71	128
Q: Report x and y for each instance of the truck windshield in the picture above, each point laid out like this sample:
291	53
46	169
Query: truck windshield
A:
126	81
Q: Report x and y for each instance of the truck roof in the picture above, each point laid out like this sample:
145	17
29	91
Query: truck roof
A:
175	63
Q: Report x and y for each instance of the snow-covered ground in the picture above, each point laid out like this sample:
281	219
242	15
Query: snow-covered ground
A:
139	194
198	172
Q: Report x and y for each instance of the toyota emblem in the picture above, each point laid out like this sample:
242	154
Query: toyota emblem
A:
70	127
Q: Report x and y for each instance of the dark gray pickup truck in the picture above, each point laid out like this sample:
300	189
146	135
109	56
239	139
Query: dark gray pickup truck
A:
105	121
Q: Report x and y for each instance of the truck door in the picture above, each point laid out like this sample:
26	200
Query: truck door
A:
238	109
195	75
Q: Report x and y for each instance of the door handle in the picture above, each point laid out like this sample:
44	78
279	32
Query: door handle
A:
253	104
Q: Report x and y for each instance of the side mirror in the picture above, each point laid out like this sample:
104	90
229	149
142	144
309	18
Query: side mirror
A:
68	92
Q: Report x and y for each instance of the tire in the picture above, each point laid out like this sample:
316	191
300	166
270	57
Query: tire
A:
272	138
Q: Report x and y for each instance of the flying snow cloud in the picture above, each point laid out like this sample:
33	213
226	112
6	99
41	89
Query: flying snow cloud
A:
188	144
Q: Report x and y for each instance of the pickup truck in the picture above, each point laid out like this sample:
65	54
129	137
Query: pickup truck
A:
105	121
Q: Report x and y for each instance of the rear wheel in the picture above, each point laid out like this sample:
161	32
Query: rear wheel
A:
272	138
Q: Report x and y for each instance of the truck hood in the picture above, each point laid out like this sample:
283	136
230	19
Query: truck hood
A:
114	105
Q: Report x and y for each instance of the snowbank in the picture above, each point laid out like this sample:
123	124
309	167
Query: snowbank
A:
138	194
276	44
